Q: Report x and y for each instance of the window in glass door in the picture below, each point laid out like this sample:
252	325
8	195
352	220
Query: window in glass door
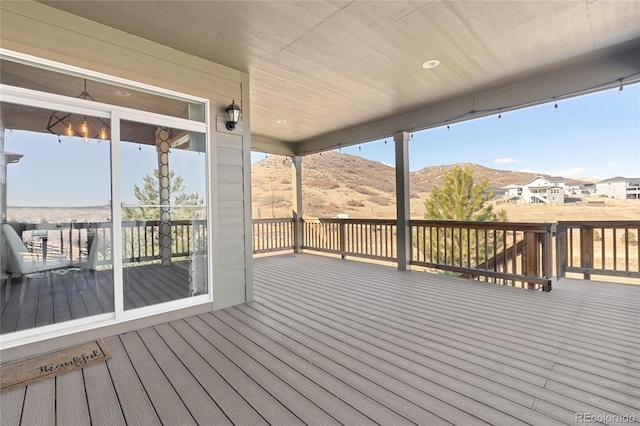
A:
164	221
56	218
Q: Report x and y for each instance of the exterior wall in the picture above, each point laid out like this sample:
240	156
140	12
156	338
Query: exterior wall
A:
617	189
36	29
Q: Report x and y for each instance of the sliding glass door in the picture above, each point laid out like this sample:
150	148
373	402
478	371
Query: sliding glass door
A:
164	213
57	218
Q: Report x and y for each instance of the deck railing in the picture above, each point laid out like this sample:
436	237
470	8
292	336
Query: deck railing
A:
608	248
72	240
514	254
271	235
366	238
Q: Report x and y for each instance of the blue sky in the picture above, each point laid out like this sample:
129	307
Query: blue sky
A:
591	136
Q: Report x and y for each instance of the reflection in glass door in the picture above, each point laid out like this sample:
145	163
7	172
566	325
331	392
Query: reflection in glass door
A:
56	217
164	226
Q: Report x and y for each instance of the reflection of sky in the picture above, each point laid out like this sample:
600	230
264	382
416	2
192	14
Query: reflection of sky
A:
75	173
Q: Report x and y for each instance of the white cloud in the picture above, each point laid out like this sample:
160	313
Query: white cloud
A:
508	160
613	164
575	172
527	171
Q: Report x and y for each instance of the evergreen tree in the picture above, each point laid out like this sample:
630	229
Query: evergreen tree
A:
188	205
460	198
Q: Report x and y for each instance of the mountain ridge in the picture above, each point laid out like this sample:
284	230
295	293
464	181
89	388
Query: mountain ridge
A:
336	183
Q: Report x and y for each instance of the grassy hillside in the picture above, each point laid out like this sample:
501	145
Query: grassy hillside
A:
335	183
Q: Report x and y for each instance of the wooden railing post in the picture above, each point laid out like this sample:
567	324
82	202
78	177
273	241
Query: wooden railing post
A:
561	250
342	238
531	261
586	249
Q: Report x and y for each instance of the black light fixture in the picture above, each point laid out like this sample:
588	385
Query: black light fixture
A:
75	125
233	111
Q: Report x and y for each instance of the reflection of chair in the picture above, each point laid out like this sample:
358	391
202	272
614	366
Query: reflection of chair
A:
97	247
18	262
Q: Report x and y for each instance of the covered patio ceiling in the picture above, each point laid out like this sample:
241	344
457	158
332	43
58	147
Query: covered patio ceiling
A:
341	73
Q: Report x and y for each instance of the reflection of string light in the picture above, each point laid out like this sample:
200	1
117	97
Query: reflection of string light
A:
69	129
555	104
448	128
500	115
621	88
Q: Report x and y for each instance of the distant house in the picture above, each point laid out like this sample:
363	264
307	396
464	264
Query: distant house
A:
581	189
538	191
619	187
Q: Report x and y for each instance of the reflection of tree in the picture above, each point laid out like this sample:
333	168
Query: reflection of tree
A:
188	205
141	239
460	199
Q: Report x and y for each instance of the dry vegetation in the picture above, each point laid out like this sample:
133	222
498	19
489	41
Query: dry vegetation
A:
335	183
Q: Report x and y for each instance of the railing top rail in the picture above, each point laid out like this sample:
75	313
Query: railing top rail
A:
274	220
507	226
601	223
358	221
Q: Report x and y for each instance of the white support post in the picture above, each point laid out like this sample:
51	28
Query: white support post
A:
296	179
403	209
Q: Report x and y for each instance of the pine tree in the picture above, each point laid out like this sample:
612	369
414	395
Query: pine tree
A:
460	198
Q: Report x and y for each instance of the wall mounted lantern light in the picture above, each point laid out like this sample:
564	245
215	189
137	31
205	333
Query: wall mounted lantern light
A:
233	111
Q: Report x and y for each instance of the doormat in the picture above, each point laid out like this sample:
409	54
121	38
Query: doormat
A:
22	373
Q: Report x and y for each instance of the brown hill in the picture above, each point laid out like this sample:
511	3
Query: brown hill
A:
335	183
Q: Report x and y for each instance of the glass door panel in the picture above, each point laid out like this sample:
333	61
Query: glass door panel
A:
56	218
164	225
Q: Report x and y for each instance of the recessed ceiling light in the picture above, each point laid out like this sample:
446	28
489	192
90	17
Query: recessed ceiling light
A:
122	93
281	121
432	63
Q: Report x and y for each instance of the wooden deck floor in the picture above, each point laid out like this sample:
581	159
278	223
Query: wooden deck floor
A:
73	294
329	341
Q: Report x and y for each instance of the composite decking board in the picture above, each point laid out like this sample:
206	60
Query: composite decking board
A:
87	292
316	365
451	298
71	400
27	317
231	402
595	383
538	392
419	378
449	336
423	363
166	401
104	406
136	407
141	289
388	320
39	403
629	354
9	319
76	301
327	393
357	373
484	405
285	330
623	360
203	409
150	281
11	404
276	274
608	405
61	309
278	388
44	311
272	410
